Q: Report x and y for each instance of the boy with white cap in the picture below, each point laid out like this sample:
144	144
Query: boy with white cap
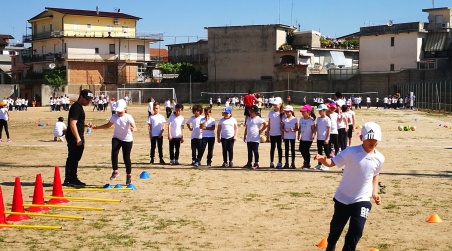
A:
362	165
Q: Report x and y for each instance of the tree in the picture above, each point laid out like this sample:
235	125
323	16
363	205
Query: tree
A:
56	76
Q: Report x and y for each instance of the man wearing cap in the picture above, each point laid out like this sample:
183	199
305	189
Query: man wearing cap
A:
75	137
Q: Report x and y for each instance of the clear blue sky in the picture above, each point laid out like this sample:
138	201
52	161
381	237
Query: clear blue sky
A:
183	21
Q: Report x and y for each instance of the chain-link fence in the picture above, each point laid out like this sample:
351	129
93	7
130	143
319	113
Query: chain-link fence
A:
431	95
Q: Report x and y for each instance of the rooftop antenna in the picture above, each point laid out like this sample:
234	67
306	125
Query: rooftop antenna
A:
433	3
97	10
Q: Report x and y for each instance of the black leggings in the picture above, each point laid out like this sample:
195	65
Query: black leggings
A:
253	148
290	142
275	142
334	141
174	146
342	138
304	149
159	141
4	124
322	146
117	144
228	149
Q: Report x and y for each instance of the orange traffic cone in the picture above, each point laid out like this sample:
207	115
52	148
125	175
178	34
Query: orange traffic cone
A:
374	249
323	243
18	204
38	197
434	218
2	209
57	188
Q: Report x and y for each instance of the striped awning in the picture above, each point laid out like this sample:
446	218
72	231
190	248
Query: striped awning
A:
436	41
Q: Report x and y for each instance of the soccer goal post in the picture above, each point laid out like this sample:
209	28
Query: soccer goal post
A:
142	95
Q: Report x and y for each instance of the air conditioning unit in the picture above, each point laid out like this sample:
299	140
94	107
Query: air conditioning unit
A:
56	33
116	21
445	25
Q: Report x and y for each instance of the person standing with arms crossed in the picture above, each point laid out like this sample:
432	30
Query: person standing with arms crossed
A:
362	166
75	138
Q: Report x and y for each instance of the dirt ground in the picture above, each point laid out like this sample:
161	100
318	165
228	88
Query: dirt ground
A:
183	208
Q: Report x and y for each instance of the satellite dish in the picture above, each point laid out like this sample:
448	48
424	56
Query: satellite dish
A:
389	23
52	66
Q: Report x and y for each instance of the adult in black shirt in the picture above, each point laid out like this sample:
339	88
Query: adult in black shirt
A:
75	138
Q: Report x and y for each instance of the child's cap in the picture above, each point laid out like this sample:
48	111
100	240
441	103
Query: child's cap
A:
332	105
121	105
371	130
112	99
227	110
288	108
322	107
277	101
306	108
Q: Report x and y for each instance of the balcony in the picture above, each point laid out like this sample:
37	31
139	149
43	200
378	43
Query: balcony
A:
115	33
193	59
42	58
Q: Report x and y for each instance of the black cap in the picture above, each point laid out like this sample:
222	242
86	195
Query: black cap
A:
87	94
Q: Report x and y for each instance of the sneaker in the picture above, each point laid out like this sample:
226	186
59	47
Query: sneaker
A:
67	183
292	166
171	162
286	165
209	164
225	164
272	165
1	140
152	161
279	165
54	138
162	162
324	168
248	165
193	162
9	140
255	166
332	155
176	162
318	167
306	166
77	182
231	164
114	175
129	179
196	164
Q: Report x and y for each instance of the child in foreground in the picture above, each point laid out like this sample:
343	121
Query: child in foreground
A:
254	127
362	166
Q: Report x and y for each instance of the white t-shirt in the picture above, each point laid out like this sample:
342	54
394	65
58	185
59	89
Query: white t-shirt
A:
322	125
253	126
340	102
359	169
175	125
113	106
209	133
351	113
274	123
333	117
368	100
58	129
122	127
342	123
227	127
156	121
195	122
289	123
4	114
306	128
151	106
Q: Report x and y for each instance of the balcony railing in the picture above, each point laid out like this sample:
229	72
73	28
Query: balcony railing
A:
42	58
115	33
84	57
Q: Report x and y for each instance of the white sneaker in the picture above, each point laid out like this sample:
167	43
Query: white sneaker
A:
324	168
318	167
171	162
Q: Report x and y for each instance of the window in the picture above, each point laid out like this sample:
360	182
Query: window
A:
96	50
75	26
11	53
88	27
111	48
43	28
109	28
111	71
391	67
188	52
392	41
51	27
141	72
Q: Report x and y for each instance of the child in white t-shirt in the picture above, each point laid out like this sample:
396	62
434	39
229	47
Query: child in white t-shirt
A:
362	165
289	127
323	134
208	136
194	124
59	130
274	134
306	133
176	124
156	127
227	135
254	127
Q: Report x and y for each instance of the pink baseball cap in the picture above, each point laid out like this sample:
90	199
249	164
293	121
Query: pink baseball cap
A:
306	108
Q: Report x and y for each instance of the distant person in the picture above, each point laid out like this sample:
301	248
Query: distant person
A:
208	135
227	135
59	130
156	127
362	165
176	124
4	118
254	127
274	133
194	124
306	134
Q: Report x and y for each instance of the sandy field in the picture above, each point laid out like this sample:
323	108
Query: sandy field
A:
186	208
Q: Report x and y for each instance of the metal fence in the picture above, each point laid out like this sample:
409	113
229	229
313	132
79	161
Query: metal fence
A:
431	95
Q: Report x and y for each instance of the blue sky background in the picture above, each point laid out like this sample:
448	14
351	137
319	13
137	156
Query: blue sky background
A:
183	21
